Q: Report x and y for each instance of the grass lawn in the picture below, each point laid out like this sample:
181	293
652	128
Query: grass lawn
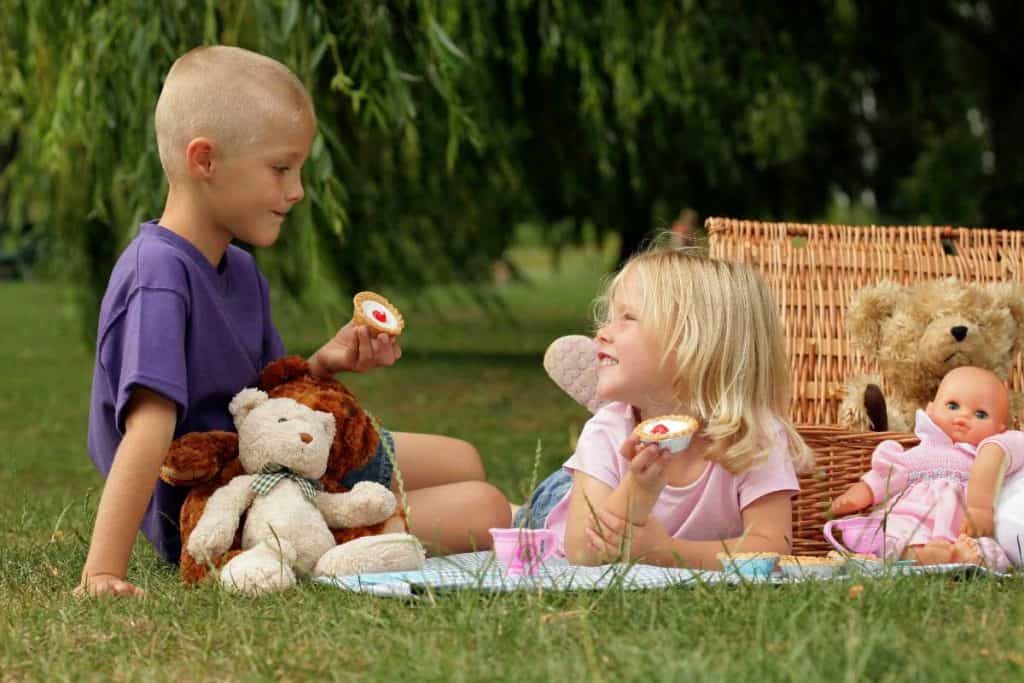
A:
477	378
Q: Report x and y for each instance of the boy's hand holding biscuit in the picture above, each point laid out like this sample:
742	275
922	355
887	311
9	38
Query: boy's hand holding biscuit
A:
368	341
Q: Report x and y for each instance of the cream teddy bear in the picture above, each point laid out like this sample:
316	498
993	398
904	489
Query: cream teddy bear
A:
284	446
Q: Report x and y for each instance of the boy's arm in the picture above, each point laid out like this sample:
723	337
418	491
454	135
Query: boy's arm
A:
149	426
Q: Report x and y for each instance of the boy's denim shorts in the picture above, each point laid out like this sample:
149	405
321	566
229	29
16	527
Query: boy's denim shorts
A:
535	513
380	469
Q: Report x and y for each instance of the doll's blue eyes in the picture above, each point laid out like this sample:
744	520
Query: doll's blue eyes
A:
980	414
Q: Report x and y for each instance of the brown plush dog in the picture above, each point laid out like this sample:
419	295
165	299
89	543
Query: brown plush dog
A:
208	460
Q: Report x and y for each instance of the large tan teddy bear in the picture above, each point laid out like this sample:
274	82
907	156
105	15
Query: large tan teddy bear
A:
918	333
208	461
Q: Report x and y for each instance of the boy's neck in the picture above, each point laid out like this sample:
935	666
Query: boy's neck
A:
185	217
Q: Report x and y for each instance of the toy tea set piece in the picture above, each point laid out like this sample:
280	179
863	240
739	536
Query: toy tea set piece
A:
808	566
522	551
862	546
377	313
668	431
749	565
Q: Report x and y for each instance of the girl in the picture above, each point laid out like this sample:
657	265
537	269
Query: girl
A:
681	333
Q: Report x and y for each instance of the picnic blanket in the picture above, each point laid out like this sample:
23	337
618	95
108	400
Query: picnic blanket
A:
481	572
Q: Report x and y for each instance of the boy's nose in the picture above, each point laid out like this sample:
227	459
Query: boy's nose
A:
296	192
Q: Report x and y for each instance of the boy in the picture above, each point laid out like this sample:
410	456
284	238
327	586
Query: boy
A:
185	321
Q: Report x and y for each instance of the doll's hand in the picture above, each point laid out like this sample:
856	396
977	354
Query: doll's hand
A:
855	499
646	464
354	349
978	522
613	538
102	585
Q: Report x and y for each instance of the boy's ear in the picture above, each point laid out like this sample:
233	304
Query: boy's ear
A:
199	157
868	311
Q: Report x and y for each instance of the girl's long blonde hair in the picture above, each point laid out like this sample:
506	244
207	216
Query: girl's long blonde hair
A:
720	322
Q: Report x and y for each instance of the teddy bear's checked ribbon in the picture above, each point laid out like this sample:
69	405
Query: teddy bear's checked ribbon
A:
271	474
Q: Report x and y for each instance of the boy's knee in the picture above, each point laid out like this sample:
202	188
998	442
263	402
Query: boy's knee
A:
469	458
490	505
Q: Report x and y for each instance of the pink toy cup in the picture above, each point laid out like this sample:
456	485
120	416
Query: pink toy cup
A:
521	551
860	535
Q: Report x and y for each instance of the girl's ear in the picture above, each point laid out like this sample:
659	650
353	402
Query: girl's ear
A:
244	402
868	312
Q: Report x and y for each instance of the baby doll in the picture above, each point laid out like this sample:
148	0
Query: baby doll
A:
937	498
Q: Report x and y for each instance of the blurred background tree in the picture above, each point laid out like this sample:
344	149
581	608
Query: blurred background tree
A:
444	125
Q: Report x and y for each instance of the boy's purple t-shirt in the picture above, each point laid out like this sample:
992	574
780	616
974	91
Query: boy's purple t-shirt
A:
197	334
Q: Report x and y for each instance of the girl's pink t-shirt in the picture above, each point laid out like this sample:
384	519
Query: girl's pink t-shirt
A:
709	509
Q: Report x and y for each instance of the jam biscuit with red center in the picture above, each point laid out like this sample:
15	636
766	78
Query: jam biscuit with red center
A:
668	431
377	313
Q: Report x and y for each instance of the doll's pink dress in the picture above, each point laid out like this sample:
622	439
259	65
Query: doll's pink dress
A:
926	486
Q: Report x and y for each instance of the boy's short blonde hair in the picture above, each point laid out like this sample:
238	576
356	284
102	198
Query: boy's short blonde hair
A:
719	321
227	94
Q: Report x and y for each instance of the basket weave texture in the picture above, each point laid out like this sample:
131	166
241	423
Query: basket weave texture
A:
813	271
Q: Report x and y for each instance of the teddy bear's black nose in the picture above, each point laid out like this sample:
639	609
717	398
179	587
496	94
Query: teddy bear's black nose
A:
958	332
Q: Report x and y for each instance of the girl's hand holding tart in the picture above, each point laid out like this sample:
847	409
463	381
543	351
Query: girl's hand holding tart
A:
672	432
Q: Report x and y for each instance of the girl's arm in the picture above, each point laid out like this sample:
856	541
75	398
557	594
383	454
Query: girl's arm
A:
769	528
634	498
149	425
588	497
768	522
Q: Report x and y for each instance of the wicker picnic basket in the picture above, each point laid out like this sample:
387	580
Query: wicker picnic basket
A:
813	271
